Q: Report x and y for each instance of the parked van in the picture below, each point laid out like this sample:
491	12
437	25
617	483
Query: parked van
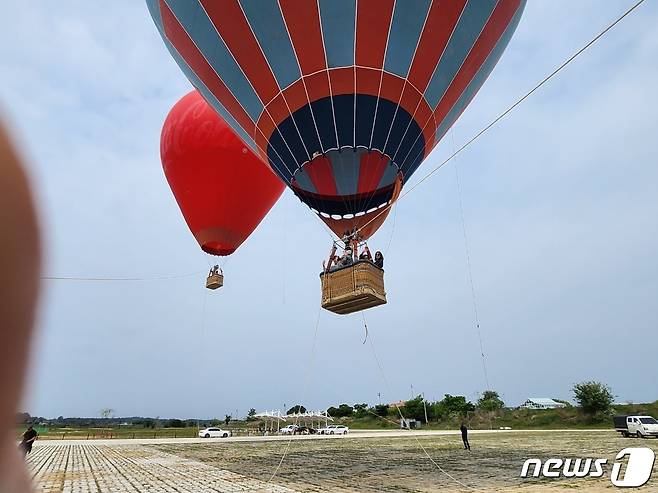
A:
638	426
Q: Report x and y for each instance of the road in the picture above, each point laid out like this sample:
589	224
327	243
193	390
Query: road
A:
358	434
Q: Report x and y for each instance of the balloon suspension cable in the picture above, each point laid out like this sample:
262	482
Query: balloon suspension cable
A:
420	444
469	268
509	109
223	262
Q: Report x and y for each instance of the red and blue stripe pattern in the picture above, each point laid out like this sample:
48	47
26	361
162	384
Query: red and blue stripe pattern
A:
341	97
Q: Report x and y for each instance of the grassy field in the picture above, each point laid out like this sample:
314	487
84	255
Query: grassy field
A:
53	433
128	432
404	465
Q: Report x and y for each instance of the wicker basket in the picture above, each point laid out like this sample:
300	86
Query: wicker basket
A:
215	281
354	288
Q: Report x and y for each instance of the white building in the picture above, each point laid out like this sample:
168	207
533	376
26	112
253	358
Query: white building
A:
541	403
306	418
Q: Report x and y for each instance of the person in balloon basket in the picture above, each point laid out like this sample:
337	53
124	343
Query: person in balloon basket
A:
464	430
29	437
379	259
336	262
365	254
347	239
346	260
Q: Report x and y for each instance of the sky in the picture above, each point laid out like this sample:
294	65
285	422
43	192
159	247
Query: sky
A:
559	203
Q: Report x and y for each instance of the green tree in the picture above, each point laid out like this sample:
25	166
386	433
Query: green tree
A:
296	409
593	397
251	415
453	405
227	419
175	423
490	401
381	410
360	410
341	411
415	409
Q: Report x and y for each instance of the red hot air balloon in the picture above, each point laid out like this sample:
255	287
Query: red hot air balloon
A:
343	98
223	190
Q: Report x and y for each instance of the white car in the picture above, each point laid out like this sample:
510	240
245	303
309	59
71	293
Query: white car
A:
322	431
336	430
288	430
214	433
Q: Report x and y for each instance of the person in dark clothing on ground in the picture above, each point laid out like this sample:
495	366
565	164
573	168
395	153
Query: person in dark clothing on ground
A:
464	430
29	437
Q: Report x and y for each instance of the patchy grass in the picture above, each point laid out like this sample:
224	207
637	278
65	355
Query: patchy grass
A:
402	464
54	433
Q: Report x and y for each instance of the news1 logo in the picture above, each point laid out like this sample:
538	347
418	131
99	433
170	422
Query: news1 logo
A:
639	465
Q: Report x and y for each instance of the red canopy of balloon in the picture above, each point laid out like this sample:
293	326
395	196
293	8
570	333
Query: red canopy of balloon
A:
223	190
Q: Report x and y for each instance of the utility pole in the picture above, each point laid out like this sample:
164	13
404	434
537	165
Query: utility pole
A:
379	394
425	406
412	390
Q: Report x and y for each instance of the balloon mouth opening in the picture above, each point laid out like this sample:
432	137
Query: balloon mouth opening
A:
218	250
364	226
347	183
333	206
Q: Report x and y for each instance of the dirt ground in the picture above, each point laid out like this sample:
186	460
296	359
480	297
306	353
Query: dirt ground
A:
417	464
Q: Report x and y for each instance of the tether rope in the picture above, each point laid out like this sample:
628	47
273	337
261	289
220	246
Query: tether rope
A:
390	238
104	279
304	394
388	388
469	267
508	110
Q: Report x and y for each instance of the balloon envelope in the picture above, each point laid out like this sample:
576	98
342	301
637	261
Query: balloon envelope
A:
343	99
222	188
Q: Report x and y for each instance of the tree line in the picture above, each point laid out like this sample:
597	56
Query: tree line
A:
593	398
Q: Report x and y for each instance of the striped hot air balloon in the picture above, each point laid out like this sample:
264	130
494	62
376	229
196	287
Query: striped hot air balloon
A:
342	98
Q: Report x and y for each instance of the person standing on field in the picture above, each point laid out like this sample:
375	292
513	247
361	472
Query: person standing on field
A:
464	430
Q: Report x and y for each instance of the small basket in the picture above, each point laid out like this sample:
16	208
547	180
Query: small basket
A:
215	281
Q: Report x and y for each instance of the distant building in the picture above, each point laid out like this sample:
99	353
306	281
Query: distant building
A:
397	404
541	403
409	423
